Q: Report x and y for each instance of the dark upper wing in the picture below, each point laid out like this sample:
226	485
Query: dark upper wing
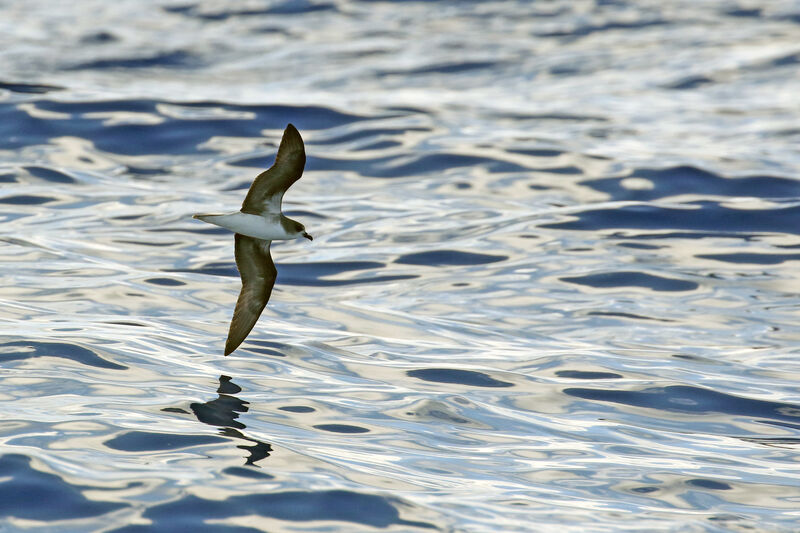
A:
258	277
267	190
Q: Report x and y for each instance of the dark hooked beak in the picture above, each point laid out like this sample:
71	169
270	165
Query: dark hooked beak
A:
307	236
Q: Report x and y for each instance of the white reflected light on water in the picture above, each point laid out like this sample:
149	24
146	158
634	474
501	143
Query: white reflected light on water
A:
552	281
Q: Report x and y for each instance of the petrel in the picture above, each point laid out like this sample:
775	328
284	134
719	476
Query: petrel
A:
256	225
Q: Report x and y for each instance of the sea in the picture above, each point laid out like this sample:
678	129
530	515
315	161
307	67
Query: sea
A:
554	284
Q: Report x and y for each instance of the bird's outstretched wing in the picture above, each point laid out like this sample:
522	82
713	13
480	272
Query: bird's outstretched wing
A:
267	190
258	277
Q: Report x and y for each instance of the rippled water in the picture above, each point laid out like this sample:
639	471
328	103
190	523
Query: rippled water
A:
553	285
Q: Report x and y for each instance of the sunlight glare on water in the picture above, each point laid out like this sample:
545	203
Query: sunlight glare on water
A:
552	286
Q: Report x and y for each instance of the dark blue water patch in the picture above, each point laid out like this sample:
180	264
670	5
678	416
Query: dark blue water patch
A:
542	152
165	282
699	235
271	29
588	29
145	171
205	229
708	484
449	258
682	180
626	315
380	145
566	117
179	8
452	67
607	280
710	217
99	37
217	268
289	7
171	136
250	473
769	441
49	174
144	441
8	178
29	88
175	410
297	409
18	128
569	170
27	493
143	243
263	351
744	12
693	400
27	199
407	110
172	60
73	352
582	374
462	377
639	246
689	82
419	1
786	61
751	258
341	428
267	348
294	279
565	70
187	526
191	514
76	109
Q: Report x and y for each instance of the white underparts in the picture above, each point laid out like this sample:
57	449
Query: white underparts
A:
268	228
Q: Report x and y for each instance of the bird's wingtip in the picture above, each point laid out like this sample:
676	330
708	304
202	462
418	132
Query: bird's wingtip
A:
291	145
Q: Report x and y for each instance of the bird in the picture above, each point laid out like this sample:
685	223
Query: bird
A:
258	223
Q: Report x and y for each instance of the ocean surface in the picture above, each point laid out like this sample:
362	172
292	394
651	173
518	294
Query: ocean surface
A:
554	284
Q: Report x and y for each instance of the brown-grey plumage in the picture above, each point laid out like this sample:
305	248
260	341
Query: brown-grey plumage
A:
258	277
267	190
256	225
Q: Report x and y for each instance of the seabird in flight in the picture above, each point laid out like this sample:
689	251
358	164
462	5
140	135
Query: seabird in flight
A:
256	225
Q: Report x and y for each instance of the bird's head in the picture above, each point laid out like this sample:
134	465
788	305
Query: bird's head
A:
300	231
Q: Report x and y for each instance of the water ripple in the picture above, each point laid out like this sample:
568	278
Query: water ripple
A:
553	279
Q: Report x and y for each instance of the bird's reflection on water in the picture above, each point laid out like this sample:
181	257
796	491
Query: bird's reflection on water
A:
223	413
